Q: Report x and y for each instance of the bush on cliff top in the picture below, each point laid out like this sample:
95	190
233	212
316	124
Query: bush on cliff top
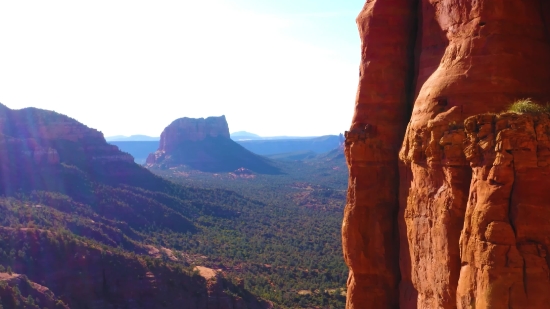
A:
527	106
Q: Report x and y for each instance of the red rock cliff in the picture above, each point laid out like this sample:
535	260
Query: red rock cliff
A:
459	218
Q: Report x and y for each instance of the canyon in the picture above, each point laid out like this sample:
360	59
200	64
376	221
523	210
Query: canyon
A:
77	217
447	199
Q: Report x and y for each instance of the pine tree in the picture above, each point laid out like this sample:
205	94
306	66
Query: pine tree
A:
30	300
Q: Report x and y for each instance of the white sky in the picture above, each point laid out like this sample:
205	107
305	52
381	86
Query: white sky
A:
132	67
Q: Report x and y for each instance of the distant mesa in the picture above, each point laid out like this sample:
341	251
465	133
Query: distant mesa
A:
204	144
132	138
194	130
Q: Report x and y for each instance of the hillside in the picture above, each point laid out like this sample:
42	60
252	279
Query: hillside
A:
76	209
293	243
87	211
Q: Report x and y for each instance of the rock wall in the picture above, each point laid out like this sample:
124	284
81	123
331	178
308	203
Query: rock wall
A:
369	233
472	210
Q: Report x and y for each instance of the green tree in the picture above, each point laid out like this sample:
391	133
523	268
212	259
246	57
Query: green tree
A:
30	300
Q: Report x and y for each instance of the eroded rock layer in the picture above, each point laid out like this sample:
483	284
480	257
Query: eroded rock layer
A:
473	208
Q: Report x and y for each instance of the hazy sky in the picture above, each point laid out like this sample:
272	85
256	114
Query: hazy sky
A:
273	67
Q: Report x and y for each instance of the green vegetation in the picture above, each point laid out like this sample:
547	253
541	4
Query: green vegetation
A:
288	243
279	232
527	106
40	253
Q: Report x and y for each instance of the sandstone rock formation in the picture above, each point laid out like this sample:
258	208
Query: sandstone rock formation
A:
205	144
192	129
447	206
219	298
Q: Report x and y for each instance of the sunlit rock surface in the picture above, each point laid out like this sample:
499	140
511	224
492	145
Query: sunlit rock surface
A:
447	206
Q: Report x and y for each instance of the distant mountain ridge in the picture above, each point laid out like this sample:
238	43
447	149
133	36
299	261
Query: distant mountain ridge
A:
131	138
273	148
317	145
246	136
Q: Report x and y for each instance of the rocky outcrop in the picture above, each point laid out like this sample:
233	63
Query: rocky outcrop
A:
205	145
217	288
460	224
192	129
29	148
17	291
504	242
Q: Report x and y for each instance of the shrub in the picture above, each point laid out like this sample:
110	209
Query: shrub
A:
527	106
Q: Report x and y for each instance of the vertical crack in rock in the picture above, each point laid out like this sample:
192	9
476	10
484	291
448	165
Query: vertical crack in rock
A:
369	230
543	18
525	278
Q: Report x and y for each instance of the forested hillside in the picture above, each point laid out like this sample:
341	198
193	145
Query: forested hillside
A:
82	225
287	248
